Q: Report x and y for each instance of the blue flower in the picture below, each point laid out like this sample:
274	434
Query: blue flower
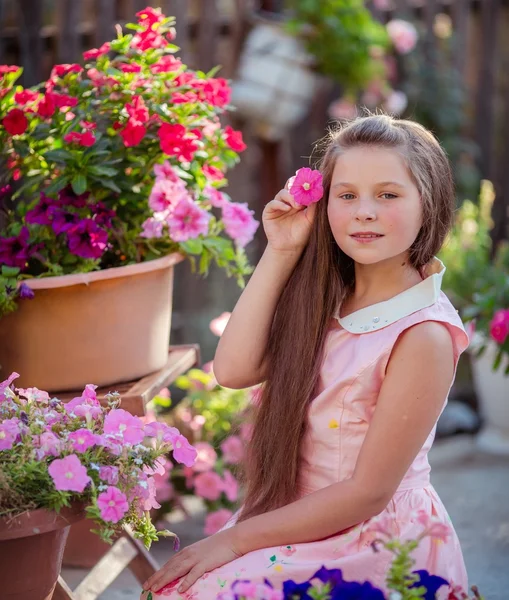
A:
296	591
332	576
352	590
25	291
432	583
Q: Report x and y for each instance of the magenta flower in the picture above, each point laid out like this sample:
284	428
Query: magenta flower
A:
499	326
109	474
15	250
166	194
208	485
162	432
69	474
183	452
25	291
152	228
306	186
63	220
82	440
119	421
166	171
41	213
216	198
188	221
217	520
87	239
233	450
230	486
206	457
112	504
239	223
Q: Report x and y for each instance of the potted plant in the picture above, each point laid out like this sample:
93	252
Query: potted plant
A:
111	172
479	287
62	462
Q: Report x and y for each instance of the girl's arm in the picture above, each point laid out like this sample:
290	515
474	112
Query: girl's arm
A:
419	376
239	359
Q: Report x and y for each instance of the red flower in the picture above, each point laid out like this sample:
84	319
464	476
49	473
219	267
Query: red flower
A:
129	68
83	139
212	173
8	69
234	139
185	79
15	121
99	78
96	52
25	97
145	40
133	133
46	106
217	92
173	141
64	69
137	110
88	125
166	64
149	16
185	98
62	100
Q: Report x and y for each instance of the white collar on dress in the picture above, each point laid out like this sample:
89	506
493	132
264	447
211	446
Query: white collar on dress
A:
382	314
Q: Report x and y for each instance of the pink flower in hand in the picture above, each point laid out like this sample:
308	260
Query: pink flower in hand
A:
112	504
206	457
307	186
218	325
233	450
216	520
208	485
119	421
82	440
499	326
69	474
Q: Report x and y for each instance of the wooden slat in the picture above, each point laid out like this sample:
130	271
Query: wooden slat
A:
106	20
106	570
178	9
207	36
30	23
69	15
490	10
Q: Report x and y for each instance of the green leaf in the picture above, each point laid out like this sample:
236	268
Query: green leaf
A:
56	185
98	170
79	184
109	184
192	246
59	156
9	271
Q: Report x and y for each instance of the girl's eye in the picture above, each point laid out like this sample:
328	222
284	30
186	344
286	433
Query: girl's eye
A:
347	196
388	196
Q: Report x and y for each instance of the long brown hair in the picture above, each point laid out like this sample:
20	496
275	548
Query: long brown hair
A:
313	293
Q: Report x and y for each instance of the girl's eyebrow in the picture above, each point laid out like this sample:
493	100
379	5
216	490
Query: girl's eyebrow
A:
380	183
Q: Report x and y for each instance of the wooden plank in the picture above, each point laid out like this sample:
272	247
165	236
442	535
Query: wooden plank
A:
68	17
106	570
178	9
106	19
490	10
30	22
207	33
62	591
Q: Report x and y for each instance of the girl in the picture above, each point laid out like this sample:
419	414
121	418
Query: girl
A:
345	322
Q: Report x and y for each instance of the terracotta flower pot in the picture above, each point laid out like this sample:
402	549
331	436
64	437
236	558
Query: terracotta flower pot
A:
103	327
84	549
31	549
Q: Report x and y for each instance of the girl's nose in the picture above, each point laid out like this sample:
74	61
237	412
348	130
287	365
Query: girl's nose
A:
366	211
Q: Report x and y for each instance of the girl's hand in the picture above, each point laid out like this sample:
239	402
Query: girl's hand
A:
195	560
287	224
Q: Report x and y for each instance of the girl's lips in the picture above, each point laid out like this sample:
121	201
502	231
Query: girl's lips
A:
366	238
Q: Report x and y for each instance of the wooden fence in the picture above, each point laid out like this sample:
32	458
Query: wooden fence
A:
39	33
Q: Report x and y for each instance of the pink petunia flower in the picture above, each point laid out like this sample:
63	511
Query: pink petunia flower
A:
7	383
208	485
206	457
188	221
183	452
216	520
109	474
499	326
216	198
9	430
112	504
403	35
230	486
119	421
218	325
166	171
307	186
69	474
239	222
47	444
233	450
34	395
152	228
166	195
82	439
150	501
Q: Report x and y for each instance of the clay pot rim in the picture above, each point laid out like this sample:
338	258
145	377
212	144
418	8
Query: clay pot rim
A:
148	266
40	520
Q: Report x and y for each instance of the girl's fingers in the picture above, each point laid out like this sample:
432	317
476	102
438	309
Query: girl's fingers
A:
170	572
278	205
194	574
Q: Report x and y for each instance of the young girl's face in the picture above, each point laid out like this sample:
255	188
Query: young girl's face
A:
374	209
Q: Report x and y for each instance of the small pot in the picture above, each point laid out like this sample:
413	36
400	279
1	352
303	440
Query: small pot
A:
104	327
31	549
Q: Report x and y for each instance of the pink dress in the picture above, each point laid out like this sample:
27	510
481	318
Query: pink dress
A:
357	352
